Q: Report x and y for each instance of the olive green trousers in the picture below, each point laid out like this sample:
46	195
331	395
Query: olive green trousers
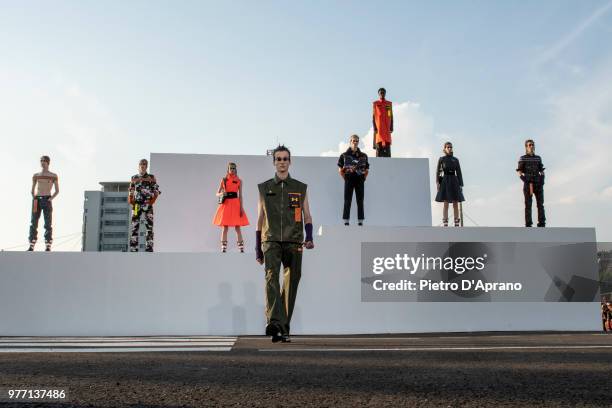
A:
281	300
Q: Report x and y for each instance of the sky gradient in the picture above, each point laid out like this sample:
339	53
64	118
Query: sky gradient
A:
98	85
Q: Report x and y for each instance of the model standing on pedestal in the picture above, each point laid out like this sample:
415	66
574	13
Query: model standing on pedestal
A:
450	183
382	120
42	184
531	171
143	193
230	212
353	168
283	214
606	315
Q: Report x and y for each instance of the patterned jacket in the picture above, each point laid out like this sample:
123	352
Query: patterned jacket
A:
354	162
143	189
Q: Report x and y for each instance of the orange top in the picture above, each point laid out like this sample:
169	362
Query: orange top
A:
232	183
383	121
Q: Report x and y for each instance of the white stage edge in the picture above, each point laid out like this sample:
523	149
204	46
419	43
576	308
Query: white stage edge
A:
124	294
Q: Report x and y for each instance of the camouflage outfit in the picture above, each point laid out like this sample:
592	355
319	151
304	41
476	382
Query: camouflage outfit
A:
143	193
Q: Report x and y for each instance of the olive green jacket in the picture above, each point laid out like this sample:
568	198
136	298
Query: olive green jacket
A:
283	209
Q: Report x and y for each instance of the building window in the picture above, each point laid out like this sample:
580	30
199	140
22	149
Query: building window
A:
114	247
121	211
115	235
122	199
115	223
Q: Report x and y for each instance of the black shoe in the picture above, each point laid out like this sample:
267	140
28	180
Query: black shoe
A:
360	223
30	248
274	331
528	225
48	248
285	338
346	223
541	225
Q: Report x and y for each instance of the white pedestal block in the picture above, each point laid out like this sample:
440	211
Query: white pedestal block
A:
396	194
111	294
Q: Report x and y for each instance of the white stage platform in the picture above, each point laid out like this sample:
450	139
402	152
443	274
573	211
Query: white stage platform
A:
123	294
396	194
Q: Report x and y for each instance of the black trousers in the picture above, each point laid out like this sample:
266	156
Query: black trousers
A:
538	192
41	204
383	151
353	182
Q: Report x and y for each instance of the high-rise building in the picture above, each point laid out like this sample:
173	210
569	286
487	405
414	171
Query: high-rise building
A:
106	218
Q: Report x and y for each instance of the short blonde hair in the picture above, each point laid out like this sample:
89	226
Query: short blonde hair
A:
232	164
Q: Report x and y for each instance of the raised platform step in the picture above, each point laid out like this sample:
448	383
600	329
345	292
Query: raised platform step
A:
123	294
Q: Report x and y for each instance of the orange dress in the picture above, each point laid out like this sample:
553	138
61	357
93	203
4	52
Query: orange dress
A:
228	213
383	119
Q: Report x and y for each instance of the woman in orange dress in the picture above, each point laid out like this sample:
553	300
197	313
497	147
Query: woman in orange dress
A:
230	212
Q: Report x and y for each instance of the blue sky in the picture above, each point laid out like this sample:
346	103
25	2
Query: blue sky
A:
99	84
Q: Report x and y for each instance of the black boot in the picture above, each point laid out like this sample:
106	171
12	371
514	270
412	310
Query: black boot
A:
273	330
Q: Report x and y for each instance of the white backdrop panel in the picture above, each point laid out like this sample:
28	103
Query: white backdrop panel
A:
396	194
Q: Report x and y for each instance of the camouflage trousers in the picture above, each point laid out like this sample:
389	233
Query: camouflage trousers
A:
139	211
41	204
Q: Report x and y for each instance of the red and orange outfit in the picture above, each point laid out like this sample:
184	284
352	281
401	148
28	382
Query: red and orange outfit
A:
382	120
228	214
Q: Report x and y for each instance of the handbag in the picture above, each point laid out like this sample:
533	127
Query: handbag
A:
221	198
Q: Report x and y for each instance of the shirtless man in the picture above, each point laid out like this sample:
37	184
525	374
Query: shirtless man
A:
42	184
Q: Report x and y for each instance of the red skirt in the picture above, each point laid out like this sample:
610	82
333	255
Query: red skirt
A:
228	214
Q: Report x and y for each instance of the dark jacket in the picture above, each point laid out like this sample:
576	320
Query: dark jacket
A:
448	165
354	162
532	167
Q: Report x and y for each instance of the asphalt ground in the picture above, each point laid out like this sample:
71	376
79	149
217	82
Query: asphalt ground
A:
440	370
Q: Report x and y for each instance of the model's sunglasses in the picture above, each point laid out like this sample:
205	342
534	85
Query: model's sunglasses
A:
530	145
282	159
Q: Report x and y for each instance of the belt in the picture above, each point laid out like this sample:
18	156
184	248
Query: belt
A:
42	196
449	173
231	195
